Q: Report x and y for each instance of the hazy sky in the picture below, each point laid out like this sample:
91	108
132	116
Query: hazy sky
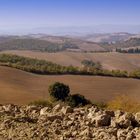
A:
38	13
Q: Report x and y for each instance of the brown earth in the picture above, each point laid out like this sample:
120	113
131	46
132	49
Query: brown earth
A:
109	61
20	87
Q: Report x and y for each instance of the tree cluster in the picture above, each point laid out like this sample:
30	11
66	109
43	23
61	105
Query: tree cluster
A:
130	50
61	92
89	64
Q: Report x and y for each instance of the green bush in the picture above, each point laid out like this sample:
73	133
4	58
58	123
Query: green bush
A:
77	100
90	64
59	91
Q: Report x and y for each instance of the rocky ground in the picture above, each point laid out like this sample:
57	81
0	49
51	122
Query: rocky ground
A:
65	123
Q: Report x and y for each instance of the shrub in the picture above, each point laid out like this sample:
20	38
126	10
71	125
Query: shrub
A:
77	100
42	103
135	74
59	91
91	64
102	105
88	63
124	103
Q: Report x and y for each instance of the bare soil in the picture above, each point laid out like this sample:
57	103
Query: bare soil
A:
20	87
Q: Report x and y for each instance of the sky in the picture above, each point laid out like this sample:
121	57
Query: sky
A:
60	13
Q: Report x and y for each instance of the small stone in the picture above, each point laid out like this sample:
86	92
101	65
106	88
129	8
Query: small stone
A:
102	120
111	113
66	110
137	117
44	111
54	117
86	132
57	108
121	134
130	136
58	132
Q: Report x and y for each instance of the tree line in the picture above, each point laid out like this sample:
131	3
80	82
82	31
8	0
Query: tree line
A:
130	50
46	67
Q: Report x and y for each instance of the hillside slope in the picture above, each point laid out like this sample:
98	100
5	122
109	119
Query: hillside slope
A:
108	37
21	87
132	42
109	61
47	44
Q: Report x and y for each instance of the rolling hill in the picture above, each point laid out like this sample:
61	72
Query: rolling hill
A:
21	87
47	44
89	43
132	42
109	61
35	44
107	37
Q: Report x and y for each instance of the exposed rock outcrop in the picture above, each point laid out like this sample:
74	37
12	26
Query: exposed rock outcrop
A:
66	123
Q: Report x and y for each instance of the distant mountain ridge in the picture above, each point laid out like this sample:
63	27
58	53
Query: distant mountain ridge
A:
74	30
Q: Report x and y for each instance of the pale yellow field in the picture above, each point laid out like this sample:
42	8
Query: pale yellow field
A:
20	87
109	61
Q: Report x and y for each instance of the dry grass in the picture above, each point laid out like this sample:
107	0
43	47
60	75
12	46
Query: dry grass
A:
124	103
20	87
109	61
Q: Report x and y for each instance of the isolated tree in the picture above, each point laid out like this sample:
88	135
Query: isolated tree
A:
59	91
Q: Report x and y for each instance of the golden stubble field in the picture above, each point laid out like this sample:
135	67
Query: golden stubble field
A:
20	87
109	61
